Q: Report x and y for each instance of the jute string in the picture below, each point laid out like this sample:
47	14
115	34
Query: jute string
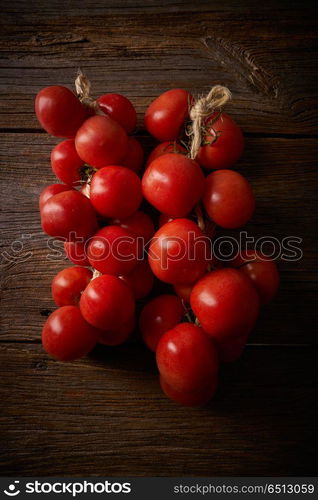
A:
204	106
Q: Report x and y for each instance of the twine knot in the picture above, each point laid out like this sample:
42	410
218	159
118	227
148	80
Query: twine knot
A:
83	87
204	106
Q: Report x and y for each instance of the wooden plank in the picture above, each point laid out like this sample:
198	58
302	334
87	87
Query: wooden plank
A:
142	53
282	172
105	415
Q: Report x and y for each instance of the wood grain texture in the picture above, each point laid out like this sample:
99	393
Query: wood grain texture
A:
142	52
106	415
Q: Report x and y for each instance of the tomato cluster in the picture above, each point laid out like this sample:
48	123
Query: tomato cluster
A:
127	230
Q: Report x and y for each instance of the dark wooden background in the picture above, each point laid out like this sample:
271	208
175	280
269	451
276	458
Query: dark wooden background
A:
106	415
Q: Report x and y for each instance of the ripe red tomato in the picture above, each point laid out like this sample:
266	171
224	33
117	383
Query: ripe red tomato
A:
179	252
262	271
226	304
164	148
76	252
101	141
140	224
59	111
67	336
173	184
68	285
120	109
224	142
107	303
166	115
140	280
184	291
50	191
115	192
119	335
66	163
113	250
228	199
193	398
158	316
134	157
68	215
187	359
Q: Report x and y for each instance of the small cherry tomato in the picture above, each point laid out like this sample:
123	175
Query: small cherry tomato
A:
223	142
68	215
68	285
50	191
166	115
59	111
193	398
66	163
140	280
134	157
118	335
140	224
101	141
173	184
184	291
76	252
262	271
228	199
187	359
107	303
113	250
164	148
226	304
179	252
120	109
67	336
158	316
115	192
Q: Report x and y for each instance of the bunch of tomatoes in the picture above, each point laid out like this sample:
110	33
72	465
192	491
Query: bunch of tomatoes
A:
128	226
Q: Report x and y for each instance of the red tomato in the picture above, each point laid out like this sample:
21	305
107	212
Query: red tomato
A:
107	303
193	398
140	280
173	184
68	285
166	115
120	109
165	147
158	316
68	215
184	291
66	163
134	157
115	192
187	359
101	141
179	252
67	336
262	271
226	304
140	224
76	252
50	191
113	250
119	335
59	111
228	199
224	142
